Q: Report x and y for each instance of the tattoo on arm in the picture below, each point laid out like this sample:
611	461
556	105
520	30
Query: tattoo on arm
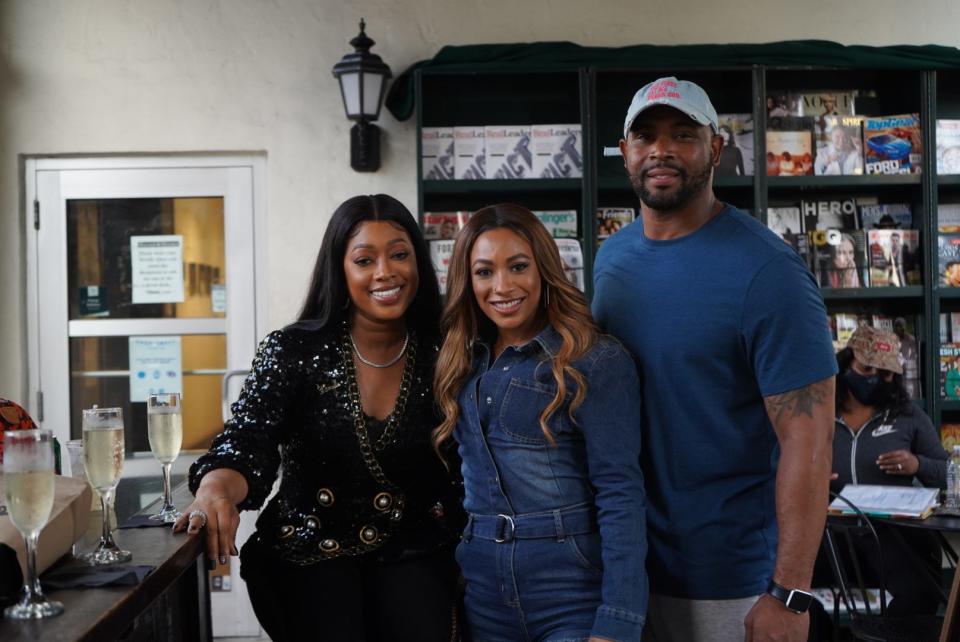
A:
799	402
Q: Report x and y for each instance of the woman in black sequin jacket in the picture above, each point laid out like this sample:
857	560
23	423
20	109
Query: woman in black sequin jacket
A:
356	544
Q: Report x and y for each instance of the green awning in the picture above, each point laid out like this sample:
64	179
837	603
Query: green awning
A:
567	56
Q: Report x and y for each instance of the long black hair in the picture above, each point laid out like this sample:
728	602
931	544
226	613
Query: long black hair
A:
897	402
327	296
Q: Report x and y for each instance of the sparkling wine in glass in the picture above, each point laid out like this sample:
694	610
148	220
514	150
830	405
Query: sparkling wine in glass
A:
28	489
165	431
103	461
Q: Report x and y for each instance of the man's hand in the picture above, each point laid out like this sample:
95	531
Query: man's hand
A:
770	620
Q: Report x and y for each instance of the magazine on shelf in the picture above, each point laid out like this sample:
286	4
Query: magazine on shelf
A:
440	254
948	260
948	218
829	214
557	151
894	257
469	153
892	144
611	219
892	216
562	224
909	351
789	146
839	148
443	225
436	148
842	326
950	370
508	151
572	257
949	436
899	502
736	155
948	146
840	257
784	221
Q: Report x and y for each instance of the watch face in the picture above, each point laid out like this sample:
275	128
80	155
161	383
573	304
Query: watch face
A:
799	601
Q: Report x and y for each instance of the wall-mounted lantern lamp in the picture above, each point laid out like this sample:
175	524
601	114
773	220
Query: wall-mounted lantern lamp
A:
363	77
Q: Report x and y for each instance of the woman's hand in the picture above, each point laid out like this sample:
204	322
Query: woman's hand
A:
899	462
215	508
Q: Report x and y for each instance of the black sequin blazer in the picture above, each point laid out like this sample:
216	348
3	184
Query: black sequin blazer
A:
296	410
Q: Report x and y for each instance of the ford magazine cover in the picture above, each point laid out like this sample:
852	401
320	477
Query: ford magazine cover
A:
948	147
736	155
892	144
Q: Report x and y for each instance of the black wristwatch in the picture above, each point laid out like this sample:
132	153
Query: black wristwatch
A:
794	599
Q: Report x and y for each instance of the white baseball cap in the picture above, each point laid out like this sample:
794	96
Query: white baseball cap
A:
683	95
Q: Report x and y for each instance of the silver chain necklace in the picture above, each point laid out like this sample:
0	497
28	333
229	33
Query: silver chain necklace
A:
374	364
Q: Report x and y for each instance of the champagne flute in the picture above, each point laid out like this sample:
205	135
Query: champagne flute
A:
28	488
103	461
165	431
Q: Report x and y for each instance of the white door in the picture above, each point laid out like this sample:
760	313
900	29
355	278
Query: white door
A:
142	276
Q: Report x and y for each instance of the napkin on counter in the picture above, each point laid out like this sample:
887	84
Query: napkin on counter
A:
76	575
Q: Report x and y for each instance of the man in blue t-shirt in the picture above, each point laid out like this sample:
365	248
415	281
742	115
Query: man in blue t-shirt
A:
730	336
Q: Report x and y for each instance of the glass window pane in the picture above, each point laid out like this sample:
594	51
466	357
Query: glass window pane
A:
100	266
99	369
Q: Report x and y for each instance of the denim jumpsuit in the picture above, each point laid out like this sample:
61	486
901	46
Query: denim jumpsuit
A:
555	542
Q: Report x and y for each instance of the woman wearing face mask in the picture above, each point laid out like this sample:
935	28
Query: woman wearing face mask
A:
881	437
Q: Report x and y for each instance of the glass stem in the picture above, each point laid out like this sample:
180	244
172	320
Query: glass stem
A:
107	537
167	499
32	586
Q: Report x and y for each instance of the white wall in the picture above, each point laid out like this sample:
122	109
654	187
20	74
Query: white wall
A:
111	76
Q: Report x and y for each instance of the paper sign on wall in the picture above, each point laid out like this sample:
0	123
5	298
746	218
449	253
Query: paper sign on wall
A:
155	366
218	298
157	265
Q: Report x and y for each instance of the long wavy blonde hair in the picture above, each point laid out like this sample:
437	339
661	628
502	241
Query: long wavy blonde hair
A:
463	322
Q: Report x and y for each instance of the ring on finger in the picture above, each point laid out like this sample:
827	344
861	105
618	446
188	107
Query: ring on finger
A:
199	513
900	467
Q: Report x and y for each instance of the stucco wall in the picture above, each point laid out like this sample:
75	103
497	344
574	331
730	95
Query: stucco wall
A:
113	76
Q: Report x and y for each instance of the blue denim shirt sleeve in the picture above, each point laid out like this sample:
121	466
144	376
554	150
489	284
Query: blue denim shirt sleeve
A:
609	418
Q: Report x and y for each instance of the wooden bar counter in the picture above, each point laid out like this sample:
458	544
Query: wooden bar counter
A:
171	603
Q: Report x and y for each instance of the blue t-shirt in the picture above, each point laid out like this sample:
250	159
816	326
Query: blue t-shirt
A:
716	320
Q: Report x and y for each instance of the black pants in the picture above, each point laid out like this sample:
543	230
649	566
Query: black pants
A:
353	599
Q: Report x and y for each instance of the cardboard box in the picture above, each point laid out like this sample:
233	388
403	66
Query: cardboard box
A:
67	524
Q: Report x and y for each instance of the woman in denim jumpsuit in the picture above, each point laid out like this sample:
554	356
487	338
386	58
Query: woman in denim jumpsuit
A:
555	541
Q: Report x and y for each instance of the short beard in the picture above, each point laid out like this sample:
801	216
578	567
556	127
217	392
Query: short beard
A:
690	187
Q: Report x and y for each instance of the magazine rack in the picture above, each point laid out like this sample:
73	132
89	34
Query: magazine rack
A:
554	83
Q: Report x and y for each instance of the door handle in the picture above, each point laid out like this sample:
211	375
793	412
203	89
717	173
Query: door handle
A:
224	388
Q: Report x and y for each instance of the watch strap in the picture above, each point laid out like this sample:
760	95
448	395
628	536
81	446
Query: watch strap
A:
794	599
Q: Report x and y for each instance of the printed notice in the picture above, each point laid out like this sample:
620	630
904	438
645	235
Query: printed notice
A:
218	298
157	266
155	366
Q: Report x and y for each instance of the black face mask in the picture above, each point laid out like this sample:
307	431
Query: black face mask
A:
870	390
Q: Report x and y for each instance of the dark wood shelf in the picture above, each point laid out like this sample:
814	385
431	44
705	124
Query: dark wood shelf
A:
947	292
873	180
950	405
840	294
503	186
948	179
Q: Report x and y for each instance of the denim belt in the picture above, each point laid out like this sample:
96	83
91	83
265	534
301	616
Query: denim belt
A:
558	523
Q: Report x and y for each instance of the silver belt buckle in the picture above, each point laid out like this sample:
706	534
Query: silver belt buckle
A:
509	520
